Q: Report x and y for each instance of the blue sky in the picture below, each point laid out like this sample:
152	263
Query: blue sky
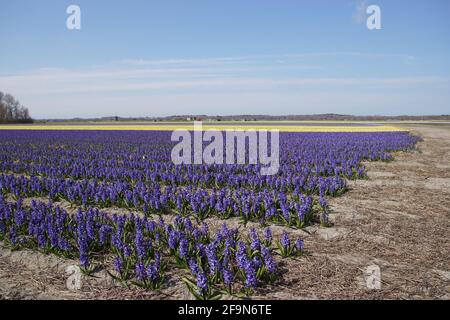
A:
155	58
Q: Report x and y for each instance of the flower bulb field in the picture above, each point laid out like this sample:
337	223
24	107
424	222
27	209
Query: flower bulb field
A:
103	212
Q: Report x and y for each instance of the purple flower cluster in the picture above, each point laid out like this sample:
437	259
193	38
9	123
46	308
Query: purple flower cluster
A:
133	170
138	244
104	169
41	224
287	248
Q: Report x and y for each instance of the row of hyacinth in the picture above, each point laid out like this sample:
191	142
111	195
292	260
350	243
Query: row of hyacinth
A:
143	249
134	171
295	209
145	157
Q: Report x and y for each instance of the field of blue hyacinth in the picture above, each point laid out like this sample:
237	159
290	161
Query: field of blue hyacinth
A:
132	172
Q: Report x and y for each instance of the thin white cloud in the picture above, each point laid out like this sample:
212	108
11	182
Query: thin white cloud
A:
166	84
227	72
225	61
60	81
360	15
165	62
409	60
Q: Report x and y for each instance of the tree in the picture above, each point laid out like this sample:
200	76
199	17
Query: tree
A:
11	111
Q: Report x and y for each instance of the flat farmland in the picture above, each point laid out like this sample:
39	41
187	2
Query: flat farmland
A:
380	198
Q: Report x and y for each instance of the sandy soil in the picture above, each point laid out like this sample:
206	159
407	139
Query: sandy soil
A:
398	221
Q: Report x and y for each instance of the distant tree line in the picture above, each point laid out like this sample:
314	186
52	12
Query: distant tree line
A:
11	111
